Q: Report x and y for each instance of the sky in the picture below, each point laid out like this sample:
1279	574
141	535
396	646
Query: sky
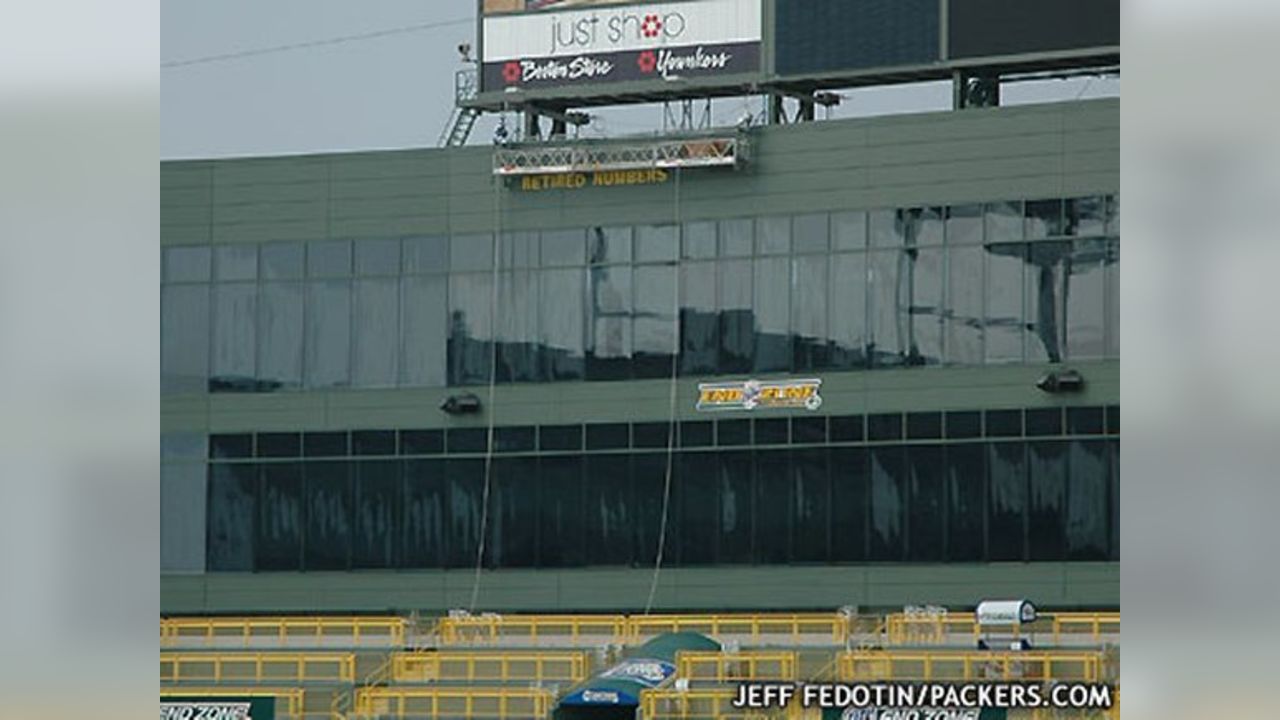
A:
390	85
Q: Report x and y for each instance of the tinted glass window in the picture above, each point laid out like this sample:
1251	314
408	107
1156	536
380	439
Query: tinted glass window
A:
774	502
328	334
927	505
886	228
847	312
1004	222
563	247
737	238
378	257
330	258
466	440
925	226
1044	421
966	502
373	442
513	439
282	260
699	240
560	324
280	335
187	264
849	231
1088	502
809	331
225	447
235	262
522	355
1047	473
184	338
428	515
471	252
849	504
925	314
608	436
964	424
426	255
279	445
772	314
1086	216
1004	423
377	511
233	506
1044	218
610	510
278	545
889	320
735	521
888	504
1046	297
771	432
376	326
657	243
963	318
846	428
464	481
964	224
773	235
423	331
1113	419
808	429
733	432
887	426
609	245
1007	501
812	495
470	328
737	319
697	491
649	476
1004	288
1086	299
649	435
1085	420
609	344
560	512
811	234
324	444
924	426
233	365
699	322
653	329
696	434
421	442
560	437
513	531
328	499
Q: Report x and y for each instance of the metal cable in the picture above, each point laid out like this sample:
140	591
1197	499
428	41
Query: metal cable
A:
671	406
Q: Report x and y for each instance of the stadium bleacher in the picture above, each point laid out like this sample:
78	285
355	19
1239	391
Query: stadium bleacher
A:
518	666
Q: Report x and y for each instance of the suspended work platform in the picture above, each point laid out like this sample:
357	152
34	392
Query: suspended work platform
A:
726	150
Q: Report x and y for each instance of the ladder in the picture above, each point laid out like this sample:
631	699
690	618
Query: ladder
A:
459	128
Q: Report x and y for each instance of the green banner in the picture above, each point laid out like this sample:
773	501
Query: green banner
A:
179	707
919	714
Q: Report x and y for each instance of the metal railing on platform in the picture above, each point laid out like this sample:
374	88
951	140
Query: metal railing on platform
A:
410	702
705	703
944	665
289	701
268	667
796	628
1055	628
284	631
491	666
762	665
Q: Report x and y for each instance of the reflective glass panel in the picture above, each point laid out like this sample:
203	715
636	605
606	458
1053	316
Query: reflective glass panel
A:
563	248
926	509
329	258
560	324
280	335
773	235
1088	502
328	515
328	334
809	312
470	328
1003	331
377	512
425	255
281	261
377	333
378	257
888	504
187	264
1004	222
184	338
772	314
1046	300
235	310
699	321
609	323
964	225
811	234
235	262
1044	218
1047	473
518	341
848	310
889	281
926	312
1007	502
609	245
424	301
887	228
849	504
471	252
699	240
737	237
963	319
657	243
966	502
426	502
1086	299
654	329
849	231
737	320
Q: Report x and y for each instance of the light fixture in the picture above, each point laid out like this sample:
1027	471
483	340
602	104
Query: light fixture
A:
1061	382
463	404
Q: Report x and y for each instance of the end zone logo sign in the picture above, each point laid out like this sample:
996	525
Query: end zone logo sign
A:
603	44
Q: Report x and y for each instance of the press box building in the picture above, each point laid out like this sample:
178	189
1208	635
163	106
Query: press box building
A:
921	276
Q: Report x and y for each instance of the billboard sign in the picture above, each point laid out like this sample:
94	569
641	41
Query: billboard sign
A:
497	7
764	394
607	43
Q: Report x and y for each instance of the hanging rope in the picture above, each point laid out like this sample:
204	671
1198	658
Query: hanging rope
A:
493	382
671	406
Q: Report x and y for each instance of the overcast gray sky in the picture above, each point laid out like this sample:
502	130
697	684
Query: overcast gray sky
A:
392	90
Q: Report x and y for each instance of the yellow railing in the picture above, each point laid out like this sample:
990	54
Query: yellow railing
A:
373	631
575	629
705	703
492	666
288	700
491	629
738	666
789	626
902	629
950	665
257	667
405	702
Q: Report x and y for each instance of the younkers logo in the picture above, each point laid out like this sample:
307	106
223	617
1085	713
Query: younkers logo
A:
596	30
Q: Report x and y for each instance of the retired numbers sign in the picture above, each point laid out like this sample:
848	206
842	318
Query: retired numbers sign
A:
752	394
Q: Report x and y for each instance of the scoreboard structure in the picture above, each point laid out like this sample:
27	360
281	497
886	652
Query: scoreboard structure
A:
559	54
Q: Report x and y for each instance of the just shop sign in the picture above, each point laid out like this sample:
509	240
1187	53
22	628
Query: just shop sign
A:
615	44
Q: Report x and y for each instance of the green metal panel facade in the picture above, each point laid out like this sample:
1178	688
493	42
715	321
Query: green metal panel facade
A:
1055	150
